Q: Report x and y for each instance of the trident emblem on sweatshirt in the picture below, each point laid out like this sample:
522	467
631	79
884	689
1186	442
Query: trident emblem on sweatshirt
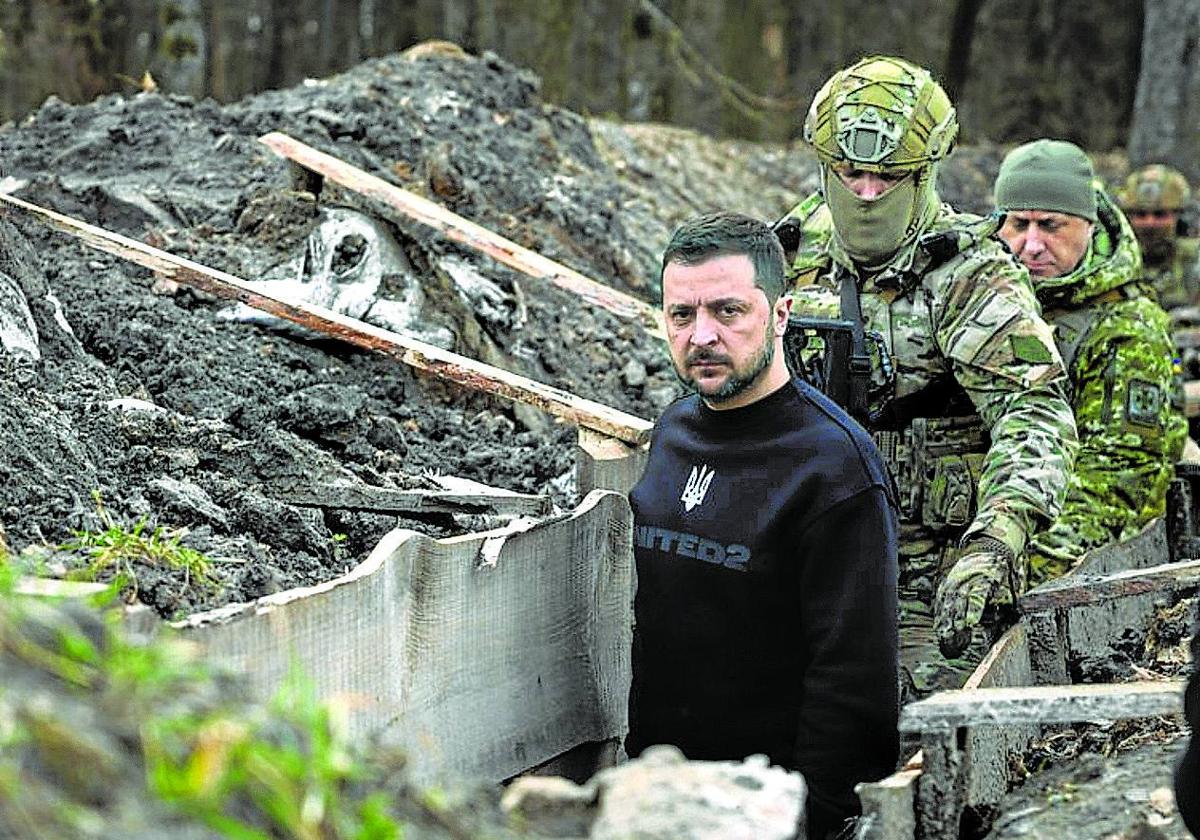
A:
697	486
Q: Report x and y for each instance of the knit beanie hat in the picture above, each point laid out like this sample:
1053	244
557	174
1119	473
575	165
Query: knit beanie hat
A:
1050	175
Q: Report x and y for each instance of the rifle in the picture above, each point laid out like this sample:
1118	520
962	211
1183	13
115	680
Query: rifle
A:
833	367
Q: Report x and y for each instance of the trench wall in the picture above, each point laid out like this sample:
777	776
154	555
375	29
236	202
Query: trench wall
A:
481	655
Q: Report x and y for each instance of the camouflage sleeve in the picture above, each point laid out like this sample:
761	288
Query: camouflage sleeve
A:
988	322
815	227
1130	437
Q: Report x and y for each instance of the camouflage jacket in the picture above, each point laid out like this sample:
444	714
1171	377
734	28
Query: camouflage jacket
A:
958	319
1115	340
1176	279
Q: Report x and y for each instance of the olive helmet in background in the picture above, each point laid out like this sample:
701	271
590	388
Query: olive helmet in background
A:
1154	187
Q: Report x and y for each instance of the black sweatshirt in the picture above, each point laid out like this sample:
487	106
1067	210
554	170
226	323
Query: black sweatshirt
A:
766	615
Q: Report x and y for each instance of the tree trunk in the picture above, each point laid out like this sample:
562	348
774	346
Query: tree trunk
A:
1166	110
958	55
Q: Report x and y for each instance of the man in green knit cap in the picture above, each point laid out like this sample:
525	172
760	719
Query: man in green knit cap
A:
950	366
1114	339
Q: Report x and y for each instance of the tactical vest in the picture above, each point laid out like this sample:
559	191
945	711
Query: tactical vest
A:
1073	326
923	422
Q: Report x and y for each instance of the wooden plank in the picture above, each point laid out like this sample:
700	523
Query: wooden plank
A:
604	463
415	502
465	232
425	357
55	588
1043	704
1093	589
473	669
1186	337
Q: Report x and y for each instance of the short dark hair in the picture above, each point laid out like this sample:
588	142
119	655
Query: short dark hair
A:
711	235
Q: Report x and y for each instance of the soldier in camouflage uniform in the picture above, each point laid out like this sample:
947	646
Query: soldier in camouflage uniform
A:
1153	197
1115	342
954	372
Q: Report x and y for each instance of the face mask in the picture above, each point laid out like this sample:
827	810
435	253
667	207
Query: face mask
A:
1158	245
872	231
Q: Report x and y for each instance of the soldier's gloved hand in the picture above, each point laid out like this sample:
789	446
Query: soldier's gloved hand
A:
983	571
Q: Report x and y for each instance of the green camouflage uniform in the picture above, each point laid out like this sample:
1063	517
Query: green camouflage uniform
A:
961	327
1116	343
1175	276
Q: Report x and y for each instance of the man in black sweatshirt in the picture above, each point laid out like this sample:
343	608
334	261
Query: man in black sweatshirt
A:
765	543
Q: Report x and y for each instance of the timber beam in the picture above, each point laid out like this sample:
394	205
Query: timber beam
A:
1043	704
1078	590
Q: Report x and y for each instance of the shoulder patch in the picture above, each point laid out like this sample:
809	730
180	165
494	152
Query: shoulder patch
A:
1031	349
1144	403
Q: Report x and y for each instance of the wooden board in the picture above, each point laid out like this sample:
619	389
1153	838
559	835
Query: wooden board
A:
482	655
1043	704
1079	590
412	502
465	232
461	370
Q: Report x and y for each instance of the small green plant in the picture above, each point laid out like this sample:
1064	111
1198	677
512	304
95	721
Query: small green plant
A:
289	773
117	549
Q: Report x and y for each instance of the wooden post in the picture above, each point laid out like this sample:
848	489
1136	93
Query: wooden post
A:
888	807
605	463
1047	647
940	786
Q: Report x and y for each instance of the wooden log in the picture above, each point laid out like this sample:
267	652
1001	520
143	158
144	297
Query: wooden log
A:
1095	589
426	357
1043	704
413	502
465	232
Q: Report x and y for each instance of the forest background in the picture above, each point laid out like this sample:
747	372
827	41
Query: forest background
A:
1107	74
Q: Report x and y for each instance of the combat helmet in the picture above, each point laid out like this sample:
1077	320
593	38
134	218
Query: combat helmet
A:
881	113
1154	187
